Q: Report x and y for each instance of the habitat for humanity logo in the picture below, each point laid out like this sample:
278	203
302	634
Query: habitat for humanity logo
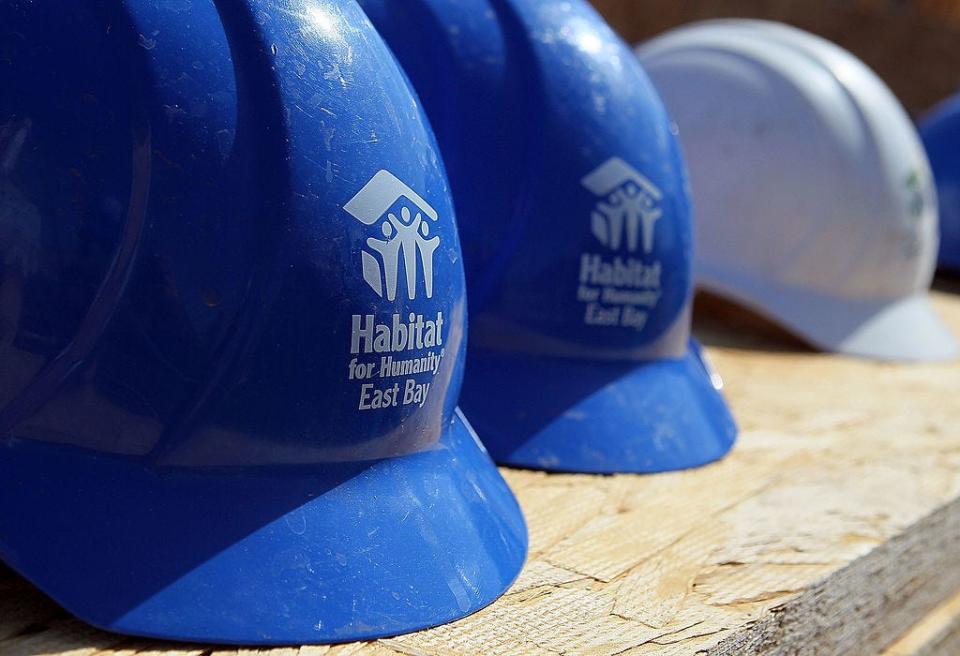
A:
395	357
406	237
629	205
621	289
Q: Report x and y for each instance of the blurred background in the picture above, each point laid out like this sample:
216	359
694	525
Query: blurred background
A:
914	45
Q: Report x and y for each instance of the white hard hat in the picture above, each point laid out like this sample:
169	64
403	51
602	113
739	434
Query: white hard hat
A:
813	196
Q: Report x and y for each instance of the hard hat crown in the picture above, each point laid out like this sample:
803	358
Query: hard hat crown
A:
215	280
812	188
820	139
232	322
539	125
574	212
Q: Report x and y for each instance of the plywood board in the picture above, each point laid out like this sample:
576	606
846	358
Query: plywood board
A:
832	528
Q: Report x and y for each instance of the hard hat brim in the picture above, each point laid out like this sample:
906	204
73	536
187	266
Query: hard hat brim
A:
564	414
906	329
281	555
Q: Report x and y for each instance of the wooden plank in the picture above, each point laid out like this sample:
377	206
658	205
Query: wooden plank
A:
831	529
938	634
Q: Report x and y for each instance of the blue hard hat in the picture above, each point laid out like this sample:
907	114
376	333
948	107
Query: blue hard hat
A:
940	132
232	323
575	222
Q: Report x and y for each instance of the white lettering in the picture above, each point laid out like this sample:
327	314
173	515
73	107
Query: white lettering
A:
410	333
374	399
619	272
414	392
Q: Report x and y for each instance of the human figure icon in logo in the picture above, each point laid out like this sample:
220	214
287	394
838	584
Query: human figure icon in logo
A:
609	217
388	250
608	220
626	206
406	235
639	209
627	211
427	247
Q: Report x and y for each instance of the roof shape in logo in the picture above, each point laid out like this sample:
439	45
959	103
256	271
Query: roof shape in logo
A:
382	191
613	173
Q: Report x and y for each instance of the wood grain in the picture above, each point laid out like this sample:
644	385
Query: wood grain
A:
832	528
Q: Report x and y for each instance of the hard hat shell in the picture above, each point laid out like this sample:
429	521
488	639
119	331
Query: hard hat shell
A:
940	131
232	323
815	204
574	214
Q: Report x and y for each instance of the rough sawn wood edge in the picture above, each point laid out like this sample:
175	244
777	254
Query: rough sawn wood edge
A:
883	593
938	634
